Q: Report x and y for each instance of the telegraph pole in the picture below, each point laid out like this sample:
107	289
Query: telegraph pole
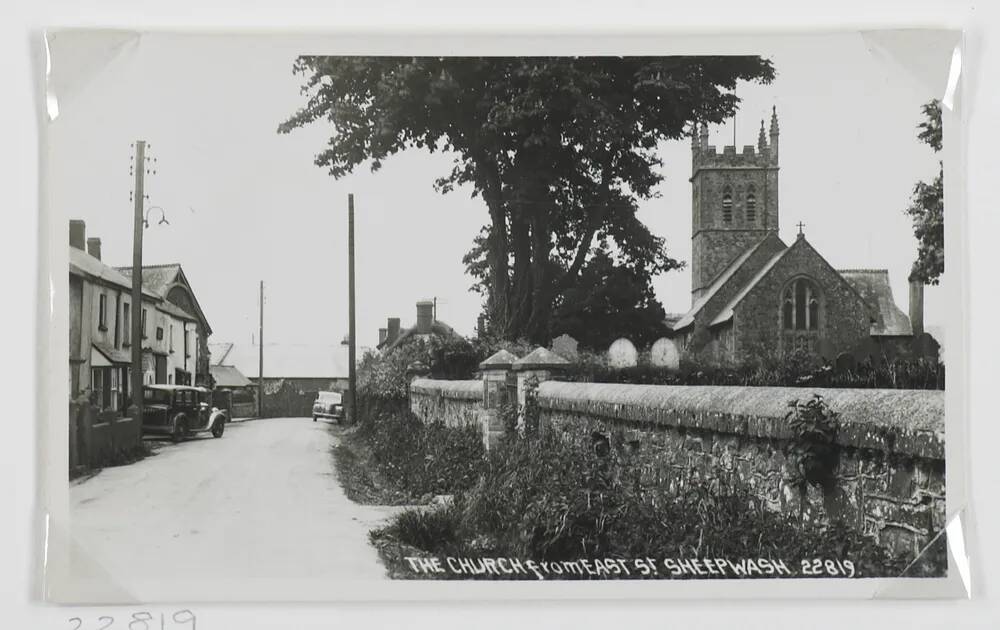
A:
352	348
139	167
260	356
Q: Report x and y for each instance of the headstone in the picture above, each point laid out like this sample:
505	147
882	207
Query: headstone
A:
566	347
664	353
622	354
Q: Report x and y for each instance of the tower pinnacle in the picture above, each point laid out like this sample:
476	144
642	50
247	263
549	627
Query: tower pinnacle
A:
761	138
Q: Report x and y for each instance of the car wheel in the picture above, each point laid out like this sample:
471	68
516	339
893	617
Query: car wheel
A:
218	428
180	431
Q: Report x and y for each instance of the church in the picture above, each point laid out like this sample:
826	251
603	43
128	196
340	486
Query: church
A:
754	295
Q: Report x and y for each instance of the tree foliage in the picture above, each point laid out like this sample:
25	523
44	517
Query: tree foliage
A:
560	149
926	207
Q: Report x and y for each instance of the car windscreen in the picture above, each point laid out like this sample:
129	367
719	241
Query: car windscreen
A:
156	397
329	397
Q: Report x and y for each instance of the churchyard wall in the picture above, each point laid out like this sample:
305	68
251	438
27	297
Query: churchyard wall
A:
888	472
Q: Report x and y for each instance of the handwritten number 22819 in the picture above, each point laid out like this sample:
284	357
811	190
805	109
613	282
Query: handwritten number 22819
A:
143	621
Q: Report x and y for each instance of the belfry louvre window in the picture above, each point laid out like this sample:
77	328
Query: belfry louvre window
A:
800	306
727	205
751	204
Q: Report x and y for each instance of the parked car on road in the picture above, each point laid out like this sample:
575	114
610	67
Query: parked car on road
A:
181	411
328	405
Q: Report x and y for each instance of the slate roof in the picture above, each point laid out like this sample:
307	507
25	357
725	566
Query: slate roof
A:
688	318
874	287
228	376
112	354
156	277
159	278
727	311
83	264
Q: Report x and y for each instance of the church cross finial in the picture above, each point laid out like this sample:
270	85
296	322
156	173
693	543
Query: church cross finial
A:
800	225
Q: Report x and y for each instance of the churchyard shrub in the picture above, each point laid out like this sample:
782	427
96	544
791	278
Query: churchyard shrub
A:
418	458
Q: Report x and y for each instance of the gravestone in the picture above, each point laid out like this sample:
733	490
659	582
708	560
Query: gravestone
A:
622	354
566	347
664	353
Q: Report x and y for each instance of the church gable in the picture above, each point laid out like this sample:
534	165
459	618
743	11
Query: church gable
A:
731	281
796	302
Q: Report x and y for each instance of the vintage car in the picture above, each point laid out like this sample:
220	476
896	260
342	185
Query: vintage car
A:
181	411
328	405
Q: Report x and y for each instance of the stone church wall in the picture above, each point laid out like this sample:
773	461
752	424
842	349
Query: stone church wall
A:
844	319
890	475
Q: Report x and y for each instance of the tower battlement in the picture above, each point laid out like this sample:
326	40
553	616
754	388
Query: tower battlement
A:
734	199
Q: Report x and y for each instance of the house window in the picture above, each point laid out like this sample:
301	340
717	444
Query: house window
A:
186	352
727	204
800	306
171	337
143	323
118	324
102	312
159	333
751	204
126	325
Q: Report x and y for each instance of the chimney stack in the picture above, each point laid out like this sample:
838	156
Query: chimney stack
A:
94	247
393	332
77	234
425	316
917	307
383	334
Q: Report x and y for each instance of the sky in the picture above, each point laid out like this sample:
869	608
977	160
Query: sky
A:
246	204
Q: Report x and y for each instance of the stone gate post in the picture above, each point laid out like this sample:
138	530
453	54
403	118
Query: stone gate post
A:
536	367
494	371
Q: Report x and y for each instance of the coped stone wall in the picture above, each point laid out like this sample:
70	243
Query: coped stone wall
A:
456	403
889	475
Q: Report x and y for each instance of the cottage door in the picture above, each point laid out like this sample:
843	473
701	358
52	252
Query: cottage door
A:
161	369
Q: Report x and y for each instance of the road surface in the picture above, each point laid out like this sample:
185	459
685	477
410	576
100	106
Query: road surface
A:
257	514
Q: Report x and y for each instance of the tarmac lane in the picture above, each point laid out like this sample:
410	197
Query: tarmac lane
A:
257	514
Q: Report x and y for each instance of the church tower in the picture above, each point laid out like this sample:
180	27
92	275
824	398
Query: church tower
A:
734	199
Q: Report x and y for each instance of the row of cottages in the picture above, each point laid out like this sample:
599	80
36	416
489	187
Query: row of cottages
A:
174	328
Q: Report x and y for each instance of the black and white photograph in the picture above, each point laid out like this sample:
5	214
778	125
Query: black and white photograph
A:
354	318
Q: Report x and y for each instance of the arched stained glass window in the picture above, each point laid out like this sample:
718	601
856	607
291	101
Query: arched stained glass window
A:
800	306
751	208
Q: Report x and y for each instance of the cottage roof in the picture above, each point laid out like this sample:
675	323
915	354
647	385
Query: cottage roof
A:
83	264
228	376
438	327
160	279
874	287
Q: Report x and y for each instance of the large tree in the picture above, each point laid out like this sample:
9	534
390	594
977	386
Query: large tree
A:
559	148
926	207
